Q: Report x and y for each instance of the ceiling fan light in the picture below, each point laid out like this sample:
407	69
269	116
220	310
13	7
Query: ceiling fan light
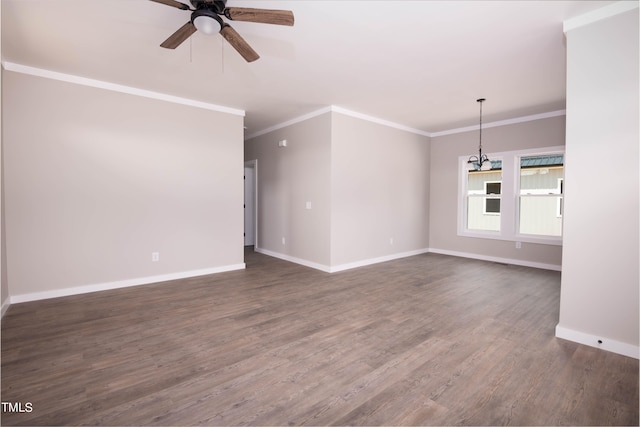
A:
207	23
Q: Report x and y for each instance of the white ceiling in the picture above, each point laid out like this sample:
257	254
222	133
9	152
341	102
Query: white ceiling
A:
421	64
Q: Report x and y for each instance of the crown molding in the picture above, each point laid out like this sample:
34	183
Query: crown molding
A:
340	110
598	15
503	122
39	72
293	121
379	121
69	78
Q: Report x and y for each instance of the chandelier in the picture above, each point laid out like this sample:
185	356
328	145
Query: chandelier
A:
481	161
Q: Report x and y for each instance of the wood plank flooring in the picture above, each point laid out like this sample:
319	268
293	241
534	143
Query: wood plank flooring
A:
425	340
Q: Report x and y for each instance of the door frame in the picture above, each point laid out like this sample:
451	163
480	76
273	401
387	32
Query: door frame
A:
253	164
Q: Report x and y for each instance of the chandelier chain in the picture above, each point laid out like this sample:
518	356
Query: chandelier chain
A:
481	100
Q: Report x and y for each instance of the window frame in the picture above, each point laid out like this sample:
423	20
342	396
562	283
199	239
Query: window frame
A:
509	198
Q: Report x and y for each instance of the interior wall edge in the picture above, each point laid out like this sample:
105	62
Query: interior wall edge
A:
5	306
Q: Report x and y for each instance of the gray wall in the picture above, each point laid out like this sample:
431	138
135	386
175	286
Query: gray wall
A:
288	178
95	181
600	262
367	183
445	151
380	191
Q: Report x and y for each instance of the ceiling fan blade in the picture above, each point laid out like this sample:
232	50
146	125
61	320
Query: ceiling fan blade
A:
179	36
264	16
173	3
239	43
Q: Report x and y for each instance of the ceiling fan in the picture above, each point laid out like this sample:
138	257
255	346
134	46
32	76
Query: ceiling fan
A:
206	18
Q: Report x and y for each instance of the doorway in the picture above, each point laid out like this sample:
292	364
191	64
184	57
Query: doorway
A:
251	203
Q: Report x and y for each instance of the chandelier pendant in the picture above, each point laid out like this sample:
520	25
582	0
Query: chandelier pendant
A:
481	161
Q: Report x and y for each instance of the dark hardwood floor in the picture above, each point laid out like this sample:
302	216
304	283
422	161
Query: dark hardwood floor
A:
426	340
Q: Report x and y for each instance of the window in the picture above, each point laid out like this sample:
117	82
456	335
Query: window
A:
484	190
519	199
540	195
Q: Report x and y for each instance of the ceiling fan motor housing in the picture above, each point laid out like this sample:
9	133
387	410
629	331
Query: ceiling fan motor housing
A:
216	6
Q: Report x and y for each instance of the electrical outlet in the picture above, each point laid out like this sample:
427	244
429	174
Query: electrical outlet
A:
155	256
391	240
284	242
518	245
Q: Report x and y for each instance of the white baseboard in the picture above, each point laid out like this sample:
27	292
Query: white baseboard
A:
121	284
377	260
523	263
295	260
5	307
603	343
370	261
341	267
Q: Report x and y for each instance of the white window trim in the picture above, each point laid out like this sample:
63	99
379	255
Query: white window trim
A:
509	205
